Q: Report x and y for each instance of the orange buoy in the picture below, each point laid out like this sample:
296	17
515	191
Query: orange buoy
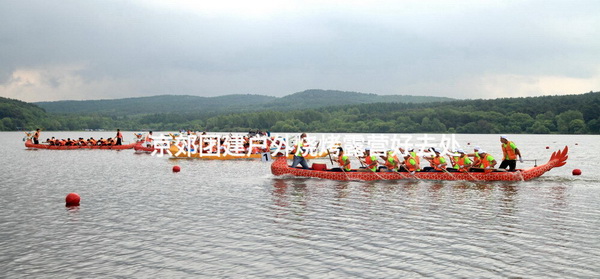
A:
72	199
576	172
176	168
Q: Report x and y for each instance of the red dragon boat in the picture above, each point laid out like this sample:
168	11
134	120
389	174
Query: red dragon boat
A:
558	159
143	146
29	144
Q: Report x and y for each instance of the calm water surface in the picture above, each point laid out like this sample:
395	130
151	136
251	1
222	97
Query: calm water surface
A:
234	219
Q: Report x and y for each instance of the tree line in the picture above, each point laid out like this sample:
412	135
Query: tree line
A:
569	114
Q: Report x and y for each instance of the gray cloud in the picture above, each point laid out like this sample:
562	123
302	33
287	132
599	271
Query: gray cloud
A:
52	50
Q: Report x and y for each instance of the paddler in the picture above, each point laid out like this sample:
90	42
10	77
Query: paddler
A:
391	161
410	163
343	160
487	162
438	162
463	163
370	160
509	154
476	158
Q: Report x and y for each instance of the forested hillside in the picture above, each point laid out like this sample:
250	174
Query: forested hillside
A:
209	106
568	114
18	115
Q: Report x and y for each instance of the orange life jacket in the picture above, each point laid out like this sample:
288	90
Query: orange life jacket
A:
342	161
509	153
371	160
410	163
438	160
461	163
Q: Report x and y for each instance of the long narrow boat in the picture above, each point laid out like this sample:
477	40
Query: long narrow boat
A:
29	144
142	147
558	159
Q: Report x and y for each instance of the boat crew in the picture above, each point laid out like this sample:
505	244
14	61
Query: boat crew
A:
476	158
410	163
119	137
298	151
509	154
437	162
370	160
463	163
487	162
391	161
344	161
36	136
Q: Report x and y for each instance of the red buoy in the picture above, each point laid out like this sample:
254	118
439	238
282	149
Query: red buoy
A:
176	168
576	172
72	199
547	147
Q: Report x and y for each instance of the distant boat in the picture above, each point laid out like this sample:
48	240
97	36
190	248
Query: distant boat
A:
29	144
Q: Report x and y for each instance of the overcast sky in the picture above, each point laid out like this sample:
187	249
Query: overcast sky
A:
73	49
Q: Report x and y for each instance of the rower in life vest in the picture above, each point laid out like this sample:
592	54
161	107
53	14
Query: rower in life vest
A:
487	161
437	162
409	164
370	160
463	163
343	160
391	161
509	154
476	159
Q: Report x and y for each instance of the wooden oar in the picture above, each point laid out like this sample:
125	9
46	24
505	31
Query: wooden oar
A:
446	171
370	169
409	172
329	156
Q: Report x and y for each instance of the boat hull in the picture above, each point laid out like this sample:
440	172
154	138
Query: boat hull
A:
29	144
280	167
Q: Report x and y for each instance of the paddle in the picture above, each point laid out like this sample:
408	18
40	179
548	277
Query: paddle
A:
370	169
329	156
409	172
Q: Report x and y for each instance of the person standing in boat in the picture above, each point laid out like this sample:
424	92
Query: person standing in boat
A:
36	136
299	150
119	137
509	154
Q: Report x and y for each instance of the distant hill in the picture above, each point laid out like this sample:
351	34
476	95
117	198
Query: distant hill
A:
316	98
308	99
19	115
156	104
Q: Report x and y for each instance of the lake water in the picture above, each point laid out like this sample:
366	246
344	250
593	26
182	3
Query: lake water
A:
234	219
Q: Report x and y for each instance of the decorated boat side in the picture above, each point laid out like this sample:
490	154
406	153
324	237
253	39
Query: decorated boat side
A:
558	158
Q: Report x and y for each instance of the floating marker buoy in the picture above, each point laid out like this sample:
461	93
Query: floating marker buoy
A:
547	147
176	168
72	199
576	172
